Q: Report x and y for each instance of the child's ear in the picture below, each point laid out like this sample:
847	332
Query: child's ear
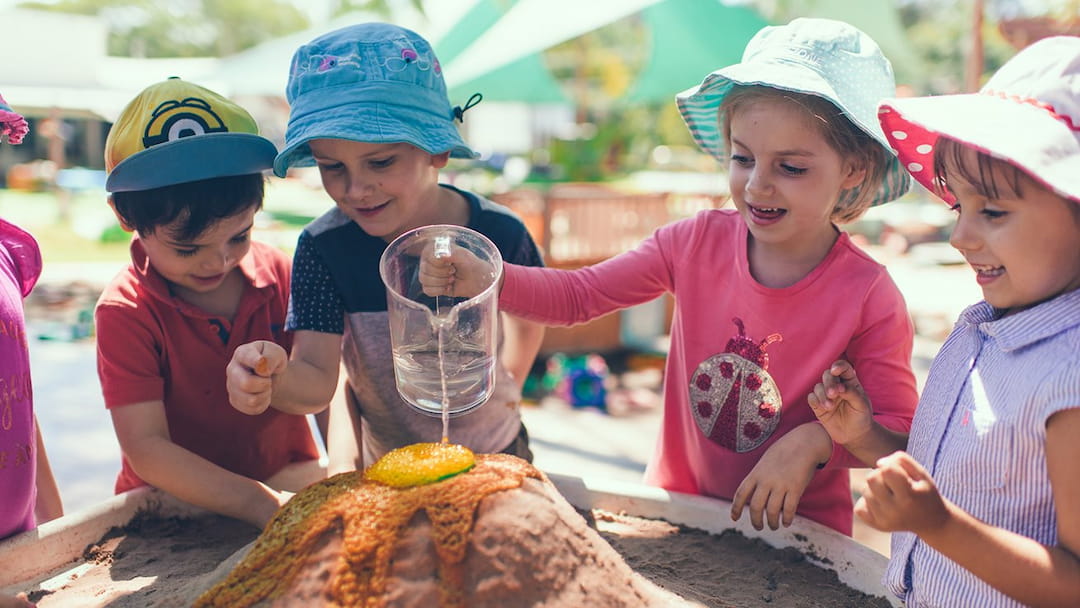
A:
856	174
439	160
123	224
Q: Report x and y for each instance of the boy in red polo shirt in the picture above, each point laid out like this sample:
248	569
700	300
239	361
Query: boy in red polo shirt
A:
185	174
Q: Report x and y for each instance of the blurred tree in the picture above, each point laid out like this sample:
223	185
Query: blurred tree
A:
382	7
941	32
185	28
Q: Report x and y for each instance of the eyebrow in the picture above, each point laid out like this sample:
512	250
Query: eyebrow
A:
394	147
793	152
172	243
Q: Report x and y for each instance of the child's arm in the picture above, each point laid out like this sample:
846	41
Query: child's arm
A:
521	342
842	407
15	601
262	375
901	495
343	445
48	505
775	485
554	296
143	433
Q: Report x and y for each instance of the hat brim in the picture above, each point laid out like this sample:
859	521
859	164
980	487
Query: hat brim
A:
192	159
368	123
1022	134
700	108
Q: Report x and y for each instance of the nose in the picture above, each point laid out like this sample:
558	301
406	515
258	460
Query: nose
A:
217	261
757	182
358	188
963	236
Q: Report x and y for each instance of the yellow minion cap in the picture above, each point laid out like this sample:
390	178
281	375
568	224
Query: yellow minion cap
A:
168	111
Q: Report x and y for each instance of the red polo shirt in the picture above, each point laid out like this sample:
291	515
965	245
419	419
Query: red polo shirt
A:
153	346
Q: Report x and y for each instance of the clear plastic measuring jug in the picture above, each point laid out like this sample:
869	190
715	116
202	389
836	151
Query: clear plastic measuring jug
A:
444	347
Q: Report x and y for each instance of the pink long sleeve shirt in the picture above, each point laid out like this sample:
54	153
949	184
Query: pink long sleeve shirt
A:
743	357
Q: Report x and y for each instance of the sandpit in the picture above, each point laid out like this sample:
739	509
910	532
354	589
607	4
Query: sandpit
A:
165	560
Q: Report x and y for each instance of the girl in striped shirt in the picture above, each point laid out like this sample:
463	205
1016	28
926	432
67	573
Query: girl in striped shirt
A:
985	502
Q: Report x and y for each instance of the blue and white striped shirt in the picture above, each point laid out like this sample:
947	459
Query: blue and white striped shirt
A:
980	430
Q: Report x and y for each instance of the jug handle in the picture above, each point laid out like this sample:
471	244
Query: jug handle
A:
442	246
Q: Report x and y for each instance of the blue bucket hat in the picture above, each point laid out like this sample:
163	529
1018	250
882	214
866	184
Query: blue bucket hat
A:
822	57
372	83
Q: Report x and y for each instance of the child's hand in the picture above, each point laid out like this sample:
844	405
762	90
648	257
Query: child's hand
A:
17	601
776	483
901	496
841	405
248	377
454	271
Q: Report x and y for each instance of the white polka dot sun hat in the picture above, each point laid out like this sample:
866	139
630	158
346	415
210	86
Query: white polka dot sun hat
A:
1027	114
822	57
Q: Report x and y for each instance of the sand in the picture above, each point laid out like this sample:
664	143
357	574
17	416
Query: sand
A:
155	562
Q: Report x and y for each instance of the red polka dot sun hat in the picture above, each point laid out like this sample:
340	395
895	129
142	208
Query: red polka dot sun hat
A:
1027	114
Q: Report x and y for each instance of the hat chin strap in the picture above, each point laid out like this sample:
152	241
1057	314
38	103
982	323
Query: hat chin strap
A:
459	111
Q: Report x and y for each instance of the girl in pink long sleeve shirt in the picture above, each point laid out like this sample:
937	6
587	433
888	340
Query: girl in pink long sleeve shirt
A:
767	294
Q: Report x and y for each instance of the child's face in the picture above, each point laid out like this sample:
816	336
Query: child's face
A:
784	177
385	188
1024	246
201	264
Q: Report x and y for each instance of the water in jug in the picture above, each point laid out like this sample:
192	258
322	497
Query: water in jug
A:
444	347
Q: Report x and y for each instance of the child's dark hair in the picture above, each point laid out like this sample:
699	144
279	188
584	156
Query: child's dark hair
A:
196	205
842	135
975	167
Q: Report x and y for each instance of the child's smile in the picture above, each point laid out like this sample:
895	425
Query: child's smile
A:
765	215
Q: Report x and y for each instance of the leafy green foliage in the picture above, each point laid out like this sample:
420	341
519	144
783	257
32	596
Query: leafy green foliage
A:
185	28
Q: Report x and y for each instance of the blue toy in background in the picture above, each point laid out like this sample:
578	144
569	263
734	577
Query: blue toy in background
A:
577	379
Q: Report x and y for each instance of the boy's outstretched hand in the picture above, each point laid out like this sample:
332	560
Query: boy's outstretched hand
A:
901	496
841	405
453	271
249	375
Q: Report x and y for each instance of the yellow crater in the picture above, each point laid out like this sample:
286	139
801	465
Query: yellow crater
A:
419	464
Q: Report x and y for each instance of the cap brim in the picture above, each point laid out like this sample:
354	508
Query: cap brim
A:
368	123
191	159
1022	134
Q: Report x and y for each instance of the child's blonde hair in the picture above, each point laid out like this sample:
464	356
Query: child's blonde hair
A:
849	141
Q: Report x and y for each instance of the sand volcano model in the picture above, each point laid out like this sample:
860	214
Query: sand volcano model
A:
433	525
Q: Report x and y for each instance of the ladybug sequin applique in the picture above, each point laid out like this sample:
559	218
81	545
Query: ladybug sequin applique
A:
734	400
